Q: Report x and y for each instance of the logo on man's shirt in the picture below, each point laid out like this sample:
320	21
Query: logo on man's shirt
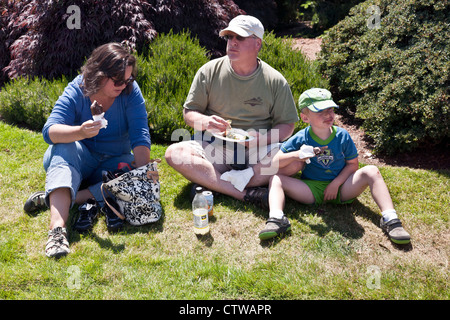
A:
326	158
254	102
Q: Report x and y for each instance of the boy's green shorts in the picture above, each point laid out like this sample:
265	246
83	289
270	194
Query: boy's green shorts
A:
318	187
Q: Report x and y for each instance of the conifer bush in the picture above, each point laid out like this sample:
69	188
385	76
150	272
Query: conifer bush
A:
394	77
165	74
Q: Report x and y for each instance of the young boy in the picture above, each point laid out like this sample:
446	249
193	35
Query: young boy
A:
332	176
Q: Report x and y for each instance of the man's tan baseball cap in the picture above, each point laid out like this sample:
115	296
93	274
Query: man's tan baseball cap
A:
245	26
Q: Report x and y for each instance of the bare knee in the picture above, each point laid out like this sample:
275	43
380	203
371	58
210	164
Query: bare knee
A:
275	181
170	152
371	173
176	154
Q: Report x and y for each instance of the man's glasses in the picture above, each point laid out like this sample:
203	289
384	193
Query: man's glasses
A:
238	38
119	83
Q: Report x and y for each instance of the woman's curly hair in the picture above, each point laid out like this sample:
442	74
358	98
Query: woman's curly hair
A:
107	61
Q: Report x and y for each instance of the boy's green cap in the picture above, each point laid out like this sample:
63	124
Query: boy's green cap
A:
316	100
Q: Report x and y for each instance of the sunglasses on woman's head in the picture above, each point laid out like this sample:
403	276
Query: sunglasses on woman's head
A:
119	83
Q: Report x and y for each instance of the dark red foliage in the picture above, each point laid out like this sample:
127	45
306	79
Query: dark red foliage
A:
203	18
35	39
44	45
264	10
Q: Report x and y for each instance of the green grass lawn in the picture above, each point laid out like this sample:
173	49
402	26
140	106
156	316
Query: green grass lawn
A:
333	252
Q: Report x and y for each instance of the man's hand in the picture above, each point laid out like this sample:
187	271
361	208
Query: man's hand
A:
216	124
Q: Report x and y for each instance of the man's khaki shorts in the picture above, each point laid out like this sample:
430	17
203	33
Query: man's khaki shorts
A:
225	155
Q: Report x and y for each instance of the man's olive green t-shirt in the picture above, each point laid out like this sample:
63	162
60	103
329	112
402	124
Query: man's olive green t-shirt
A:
259	101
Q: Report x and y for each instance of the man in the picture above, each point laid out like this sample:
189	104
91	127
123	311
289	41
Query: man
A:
255	97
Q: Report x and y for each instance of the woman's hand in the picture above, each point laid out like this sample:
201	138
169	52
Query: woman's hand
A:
90	128
63	133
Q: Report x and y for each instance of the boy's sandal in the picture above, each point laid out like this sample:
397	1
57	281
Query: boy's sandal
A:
395	231
275	227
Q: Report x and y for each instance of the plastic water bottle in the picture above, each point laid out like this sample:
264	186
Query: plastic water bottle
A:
200	210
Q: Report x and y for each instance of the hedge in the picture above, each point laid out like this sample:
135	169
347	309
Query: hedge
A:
165	75
29	102
396	77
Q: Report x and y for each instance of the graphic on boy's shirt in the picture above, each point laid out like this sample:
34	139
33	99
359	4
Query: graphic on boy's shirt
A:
326	158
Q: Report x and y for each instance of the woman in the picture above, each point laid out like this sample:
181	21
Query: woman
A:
80	149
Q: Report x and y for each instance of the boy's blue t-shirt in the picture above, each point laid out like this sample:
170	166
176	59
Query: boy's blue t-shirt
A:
327	166
127	120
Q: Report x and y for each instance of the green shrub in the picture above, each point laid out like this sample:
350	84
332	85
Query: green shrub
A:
301	73
165	76
396	77
30	101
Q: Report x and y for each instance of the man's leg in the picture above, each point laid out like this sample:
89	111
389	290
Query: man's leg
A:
187	159
265	169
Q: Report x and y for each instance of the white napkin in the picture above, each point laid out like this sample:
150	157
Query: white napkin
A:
306	152
238	178
102	119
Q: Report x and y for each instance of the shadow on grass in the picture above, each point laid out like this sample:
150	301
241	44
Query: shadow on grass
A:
155	227
338	218
106	243
333	218
181	200
206	239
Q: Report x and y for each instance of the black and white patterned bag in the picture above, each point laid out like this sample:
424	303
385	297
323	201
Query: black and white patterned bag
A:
137	194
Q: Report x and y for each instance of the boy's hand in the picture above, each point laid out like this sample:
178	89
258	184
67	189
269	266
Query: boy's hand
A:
306	152
319	150
331	191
